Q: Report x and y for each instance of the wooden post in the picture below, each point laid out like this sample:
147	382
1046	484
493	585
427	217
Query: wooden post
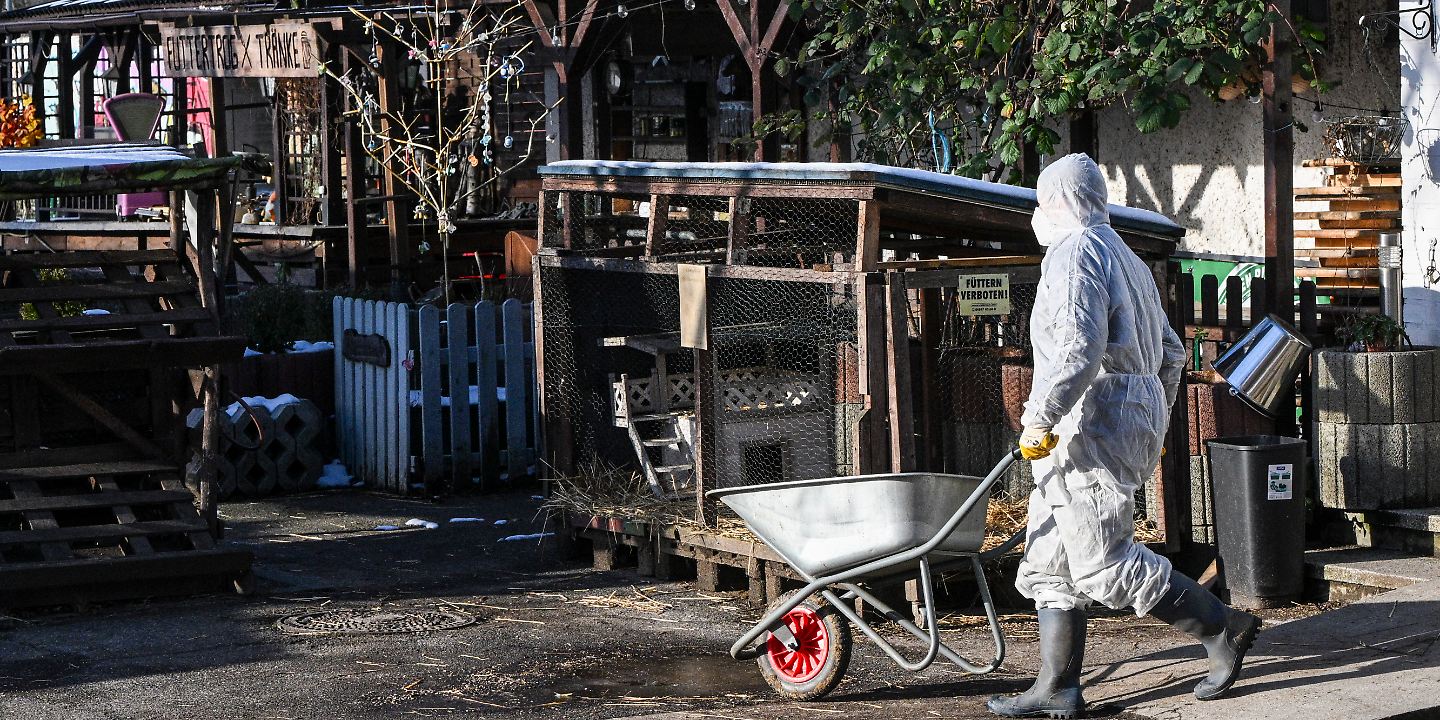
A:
1279	152
397	210
867	237
356	218
932	420
707	453
756	38
39	51
897	361
1084	134
1174	513
65	101
180	115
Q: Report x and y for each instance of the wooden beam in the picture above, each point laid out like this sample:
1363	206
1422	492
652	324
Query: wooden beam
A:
100	414
396	210
582	29
867	237
65	100
737	29
1279	160
897	361
777	22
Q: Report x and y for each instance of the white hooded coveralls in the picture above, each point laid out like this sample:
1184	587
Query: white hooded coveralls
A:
1107	367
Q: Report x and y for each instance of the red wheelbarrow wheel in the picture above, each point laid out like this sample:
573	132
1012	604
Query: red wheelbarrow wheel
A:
813	668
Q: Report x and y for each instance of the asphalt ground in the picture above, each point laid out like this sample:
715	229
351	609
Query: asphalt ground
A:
551	637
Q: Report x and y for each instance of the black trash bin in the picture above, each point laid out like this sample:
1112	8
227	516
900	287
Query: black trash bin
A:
1259	486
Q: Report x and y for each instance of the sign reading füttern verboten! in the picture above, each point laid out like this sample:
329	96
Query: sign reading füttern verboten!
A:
283	49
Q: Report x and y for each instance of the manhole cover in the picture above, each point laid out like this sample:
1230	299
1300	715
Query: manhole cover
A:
374	622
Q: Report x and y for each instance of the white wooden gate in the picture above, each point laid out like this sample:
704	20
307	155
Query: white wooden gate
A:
446	394
372	391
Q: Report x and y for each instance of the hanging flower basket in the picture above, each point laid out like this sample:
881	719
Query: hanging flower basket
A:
1366	138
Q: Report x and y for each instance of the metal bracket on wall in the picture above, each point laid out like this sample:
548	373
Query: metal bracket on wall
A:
1418	22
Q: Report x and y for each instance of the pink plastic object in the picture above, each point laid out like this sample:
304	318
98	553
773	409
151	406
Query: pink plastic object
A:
135	116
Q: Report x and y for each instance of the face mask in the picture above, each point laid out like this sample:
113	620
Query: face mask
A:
1047	233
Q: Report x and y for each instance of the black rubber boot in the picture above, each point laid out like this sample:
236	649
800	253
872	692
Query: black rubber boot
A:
1056	692
1225	632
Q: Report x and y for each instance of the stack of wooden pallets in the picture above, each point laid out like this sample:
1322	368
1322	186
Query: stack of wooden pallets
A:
1361	201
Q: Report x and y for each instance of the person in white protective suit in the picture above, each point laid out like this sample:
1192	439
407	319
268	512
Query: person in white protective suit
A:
1107	368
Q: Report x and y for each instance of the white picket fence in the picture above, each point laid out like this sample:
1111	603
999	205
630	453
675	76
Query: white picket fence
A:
468	412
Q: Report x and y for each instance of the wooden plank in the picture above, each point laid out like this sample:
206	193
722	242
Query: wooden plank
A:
1259	301
1364	180
35	458
85	470
457	345
1338	233
1363	205
20	579
338	319
1209	300
1333	192
38	518
970	262
1361	224
1234	302
100	414
655	228
867	236
517	389
718	187
85	258
1185	298
487	362
95	291
92	500
138	544
897	360
107	322
431	429
10	538
739	231
398	380
1339	252
1347	215
1337	272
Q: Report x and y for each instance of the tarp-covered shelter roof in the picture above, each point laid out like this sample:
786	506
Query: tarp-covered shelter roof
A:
921	201
111	168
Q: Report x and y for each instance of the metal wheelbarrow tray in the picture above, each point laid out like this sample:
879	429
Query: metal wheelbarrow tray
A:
839	532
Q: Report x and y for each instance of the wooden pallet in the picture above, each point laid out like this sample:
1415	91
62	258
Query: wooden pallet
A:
715	562
97	521
145	304
1361	201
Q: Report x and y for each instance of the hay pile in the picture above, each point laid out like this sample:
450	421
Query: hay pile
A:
605	491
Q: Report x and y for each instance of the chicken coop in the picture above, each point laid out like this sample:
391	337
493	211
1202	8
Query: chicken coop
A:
708	325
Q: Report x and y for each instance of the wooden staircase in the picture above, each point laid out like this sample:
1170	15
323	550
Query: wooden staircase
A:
664	445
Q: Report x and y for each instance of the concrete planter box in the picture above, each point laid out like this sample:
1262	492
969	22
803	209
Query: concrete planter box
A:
1377	428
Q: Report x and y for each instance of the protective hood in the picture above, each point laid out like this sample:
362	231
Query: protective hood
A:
1071	197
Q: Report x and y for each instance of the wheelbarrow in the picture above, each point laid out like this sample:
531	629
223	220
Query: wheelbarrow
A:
843	534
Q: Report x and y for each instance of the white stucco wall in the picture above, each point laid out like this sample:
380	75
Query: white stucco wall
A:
1208	172
1420	165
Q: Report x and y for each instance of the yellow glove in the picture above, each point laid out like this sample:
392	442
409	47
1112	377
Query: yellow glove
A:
1037	442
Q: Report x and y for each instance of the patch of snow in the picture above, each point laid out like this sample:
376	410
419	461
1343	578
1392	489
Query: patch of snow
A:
501	522
269	404
96	311
335	475
303	346
387	527
467	520
300	347
417	522
534	536
417	397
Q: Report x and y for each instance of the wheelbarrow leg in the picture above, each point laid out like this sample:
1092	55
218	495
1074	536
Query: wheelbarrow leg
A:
945	651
